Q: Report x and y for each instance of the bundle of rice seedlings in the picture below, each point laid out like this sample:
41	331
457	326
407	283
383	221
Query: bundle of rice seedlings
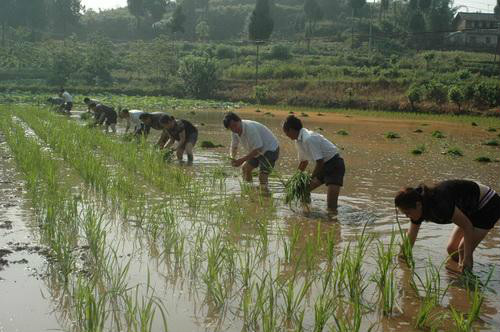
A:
342	132
392	135
168	155
418	150
297	189
437	134
483	159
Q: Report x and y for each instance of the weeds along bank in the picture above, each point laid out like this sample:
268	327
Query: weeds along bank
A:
329	74
132	239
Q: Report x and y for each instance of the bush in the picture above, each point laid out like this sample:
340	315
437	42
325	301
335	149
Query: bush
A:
225	52
199	75
437	92
414	94
261	93
456	95
487	94
280	52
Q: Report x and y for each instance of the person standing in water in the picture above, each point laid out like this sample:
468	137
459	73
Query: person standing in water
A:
329	168
473	208
183	132
260	144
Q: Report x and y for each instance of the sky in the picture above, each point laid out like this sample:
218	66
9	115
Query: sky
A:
485	6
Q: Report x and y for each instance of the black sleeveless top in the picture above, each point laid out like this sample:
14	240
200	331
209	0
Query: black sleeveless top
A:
182	125
439	203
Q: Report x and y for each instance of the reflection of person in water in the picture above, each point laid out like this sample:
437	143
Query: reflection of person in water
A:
472	207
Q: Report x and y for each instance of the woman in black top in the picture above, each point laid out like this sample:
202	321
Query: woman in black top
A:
182	131
472	207
104	115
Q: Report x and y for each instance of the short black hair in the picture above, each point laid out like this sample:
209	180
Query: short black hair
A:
292	122
164	119
86	99
62	90
230	116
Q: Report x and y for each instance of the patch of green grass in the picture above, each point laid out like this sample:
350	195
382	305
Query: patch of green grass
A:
392	135
210	145
418	131
418	150
305	115
342	132
491	129
438	134
492	142
454	152
85	116
474	124
483	159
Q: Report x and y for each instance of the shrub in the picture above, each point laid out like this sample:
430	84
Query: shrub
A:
418	150
225	52
280	52
199	75
455	152
414	95
437	92
483	159
392	135
456	95
492	142
261	93
487	94
438	134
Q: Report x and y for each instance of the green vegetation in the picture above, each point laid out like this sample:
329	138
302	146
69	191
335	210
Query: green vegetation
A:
483	159
492	142
437	134
391	135
418	150
297	189
342	132
210	145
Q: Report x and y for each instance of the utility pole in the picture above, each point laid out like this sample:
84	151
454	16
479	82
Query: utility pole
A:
370	38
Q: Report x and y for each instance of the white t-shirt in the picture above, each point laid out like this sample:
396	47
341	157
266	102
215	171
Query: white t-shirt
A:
255	135
67	97
312	146
133	118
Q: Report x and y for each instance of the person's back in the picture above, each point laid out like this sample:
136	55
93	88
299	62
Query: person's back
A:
254	135
67	97
182	125
155	120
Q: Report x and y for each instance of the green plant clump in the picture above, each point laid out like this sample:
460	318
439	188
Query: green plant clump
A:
418	150
418	131
483	159
342	132
492	142
297	188
437	134
392	135
455	152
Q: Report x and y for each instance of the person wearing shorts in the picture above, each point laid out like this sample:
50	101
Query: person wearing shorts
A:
260	144
104	115
473	208
312	147
181	131
133	118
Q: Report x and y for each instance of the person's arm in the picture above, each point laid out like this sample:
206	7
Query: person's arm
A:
165	136
128	125
102	117
318	168
182	139
412	233
462	221
234	146
254	153
303	165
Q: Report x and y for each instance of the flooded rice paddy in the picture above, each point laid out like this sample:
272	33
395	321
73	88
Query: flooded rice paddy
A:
188	249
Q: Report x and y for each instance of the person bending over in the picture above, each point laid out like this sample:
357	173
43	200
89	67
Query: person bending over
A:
183	132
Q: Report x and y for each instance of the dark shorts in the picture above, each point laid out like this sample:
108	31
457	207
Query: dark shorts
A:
266	161
192	138
111	118
487	217
333	171
68	106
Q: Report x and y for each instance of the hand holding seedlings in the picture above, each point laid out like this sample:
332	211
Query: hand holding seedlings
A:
297	189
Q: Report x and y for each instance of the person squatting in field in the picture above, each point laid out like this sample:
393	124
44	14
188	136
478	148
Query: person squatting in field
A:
473	208
104	115
312	147
260	144
182	131
67	105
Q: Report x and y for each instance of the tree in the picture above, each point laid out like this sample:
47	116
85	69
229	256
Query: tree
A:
200	76
260	28
496	10
176	23
416	26
384	7
98	61
456	95
424	5
6	10
65	15
136	8
313	13
355	5
202	31
156	8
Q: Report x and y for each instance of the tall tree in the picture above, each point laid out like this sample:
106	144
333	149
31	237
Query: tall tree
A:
260	28
6	10
65	14
384	7
136	8
313	13
496	10
356	6
156	8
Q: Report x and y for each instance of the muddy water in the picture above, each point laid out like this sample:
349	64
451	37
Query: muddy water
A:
376	168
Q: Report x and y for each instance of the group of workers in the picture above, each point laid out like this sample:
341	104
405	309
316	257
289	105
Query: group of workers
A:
473	208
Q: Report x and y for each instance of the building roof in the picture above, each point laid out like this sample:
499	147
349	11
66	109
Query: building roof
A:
477	16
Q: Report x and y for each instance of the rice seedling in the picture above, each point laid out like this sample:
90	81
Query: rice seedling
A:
324	308
210	145
492	142
437	134
454	152
342	132
292	299
406	251
391	135
491	129
384	275
297	189
418	130
483	159
418	150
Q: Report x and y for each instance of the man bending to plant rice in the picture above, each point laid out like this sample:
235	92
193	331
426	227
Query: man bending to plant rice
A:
152	120
133	118
261	145
183	132
104	115
313	147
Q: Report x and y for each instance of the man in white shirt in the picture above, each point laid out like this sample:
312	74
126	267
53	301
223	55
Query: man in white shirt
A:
314	147
133	118
260	144
68	101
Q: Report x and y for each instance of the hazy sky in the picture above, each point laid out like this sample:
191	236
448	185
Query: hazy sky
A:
473	5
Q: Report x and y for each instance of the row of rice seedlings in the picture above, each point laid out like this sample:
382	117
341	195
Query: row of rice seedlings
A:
406	251
384	275
89	307
354	281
